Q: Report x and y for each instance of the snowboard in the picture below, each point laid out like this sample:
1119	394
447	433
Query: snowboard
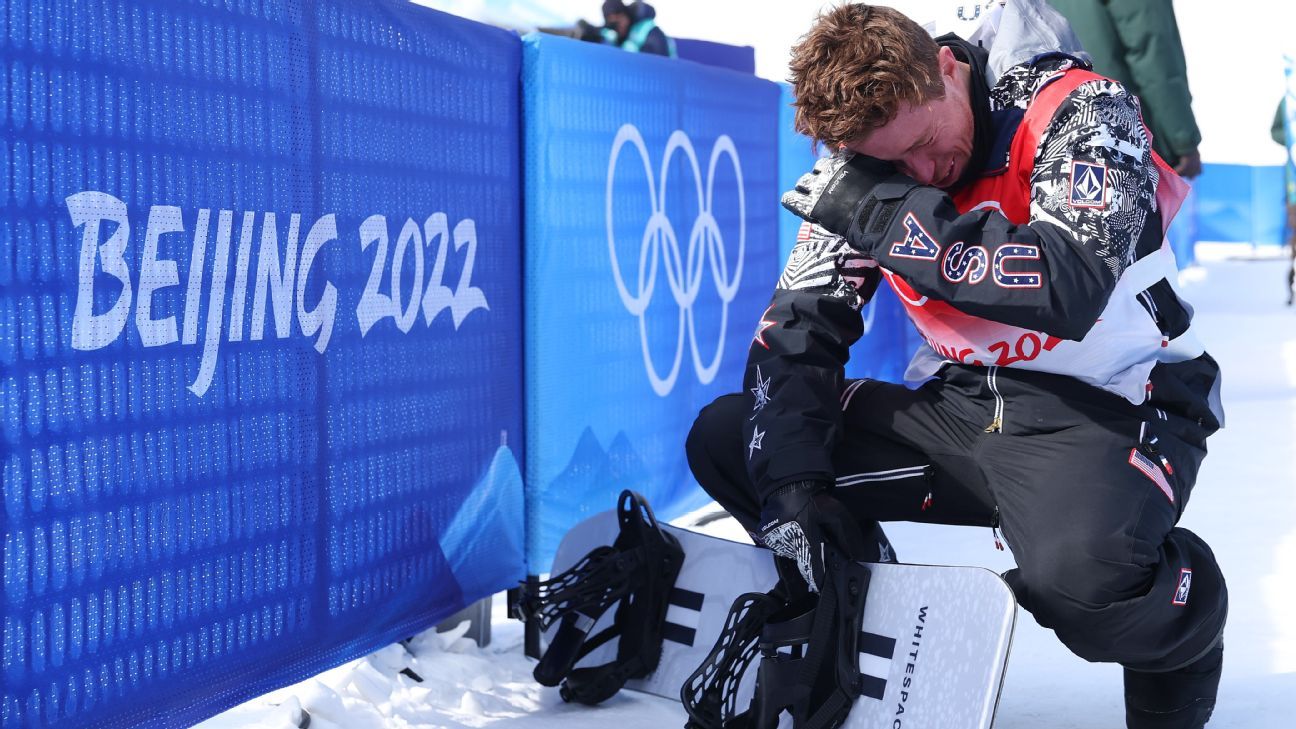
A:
933	646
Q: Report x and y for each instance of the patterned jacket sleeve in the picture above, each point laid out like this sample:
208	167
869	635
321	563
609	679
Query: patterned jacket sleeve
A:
1092	211
796	359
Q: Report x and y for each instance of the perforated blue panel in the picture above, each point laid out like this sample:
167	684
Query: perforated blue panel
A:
651	246
797	155
1183	231
259	343
1236	203
734	58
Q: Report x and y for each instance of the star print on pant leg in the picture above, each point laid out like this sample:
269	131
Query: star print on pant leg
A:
761	393
755	445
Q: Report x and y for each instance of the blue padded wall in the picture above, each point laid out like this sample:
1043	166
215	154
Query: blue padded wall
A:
797	156
1239	204
1182	233
734	58
643	285
260	361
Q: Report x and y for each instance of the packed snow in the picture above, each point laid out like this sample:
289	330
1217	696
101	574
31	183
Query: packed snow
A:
1243	504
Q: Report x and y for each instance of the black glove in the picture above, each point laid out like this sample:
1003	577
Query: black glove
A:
848	194
798	519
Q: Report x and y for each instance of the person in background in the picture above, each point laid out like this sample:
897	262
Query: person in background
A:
1279	133
1136	42
634	28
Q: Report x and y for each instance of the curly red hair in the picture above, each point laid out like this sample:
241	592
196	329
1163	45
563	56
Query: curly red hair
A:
855	67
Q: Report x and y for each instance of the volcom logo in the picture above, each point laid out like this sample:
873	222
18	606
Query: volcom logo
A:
684	269
1088	185
832	188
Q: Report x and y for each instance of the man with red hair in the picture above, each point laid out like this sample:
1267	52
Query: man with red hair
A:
1011	198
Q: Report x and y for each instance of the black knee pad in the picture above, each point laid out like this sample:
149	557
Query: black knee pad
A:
1157	623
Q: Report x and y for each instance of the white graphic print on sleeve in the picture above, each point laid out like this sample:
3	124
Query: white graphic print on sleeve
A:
1093	175
825	263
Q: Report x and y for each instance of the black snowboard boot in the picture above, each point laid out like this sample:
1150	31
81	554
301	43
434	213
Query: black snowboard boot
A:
1180	699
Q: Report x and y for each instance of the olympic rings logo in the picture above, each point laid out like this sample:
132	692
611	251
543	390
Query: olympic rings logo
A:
660	245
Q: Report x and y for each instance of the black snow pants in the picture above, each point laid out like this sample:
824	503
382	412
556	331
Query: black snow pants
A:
1086	488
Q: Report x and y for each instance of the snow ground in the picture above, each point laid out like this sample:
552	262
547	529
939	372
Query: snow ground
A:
1244	504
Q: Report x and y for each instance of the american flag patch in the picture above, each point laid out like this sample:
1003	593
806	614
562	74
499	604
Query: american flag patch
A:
805	231
1149	469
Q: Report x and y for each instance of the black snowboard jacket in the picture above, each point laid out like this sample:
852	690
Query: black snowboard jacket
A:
795	368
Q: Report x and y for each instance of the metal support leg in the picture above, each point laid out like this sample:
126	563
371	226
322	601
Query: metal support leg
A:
478	616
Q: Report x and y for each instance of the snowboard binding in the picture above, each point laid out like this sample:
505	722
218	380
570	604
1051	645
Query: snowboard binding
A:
637	574
809	651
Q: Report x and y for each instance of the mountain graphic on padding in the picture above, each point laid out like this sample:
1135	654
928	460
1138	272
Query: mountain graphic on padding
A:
586	462
591	482
483	543
625	468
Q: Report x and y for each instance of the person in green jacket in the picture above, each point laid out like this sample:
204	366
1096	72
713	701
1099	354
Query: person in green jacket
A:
1137	43
1279	133
634	28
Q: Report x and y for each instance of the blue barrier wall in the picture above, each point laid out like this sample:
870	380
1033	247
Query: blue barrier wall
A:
651	239
261	324
259	344
1239	204
796	157
734	58
1183	231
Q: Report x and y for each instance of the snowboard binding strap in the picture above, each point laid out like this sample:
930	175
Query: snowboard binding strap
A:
809	658
637	574
710	694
